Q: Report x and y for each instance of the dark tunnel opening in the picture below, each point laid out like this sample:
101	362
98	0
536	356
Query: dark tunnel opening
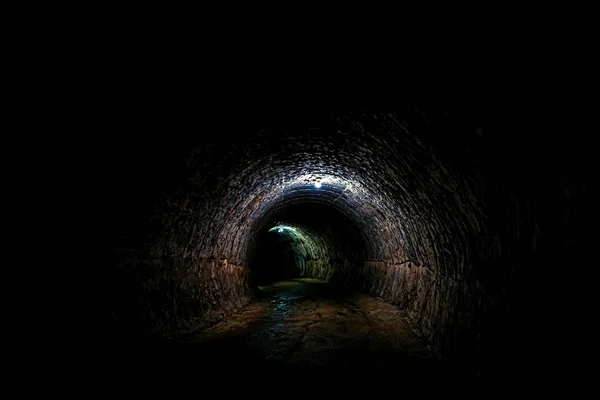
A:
304	238
435	212
277	259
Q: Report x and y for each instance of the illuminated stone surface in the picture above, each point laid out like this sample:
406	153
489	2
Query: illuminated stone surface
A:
435	214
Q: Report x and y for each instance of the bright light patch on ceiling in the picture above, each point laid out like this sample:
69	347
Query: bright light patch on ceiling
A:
320	179
281	228
297	234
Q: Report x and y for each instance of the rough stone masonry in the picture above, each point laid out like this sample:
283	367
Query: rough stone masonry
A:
434	212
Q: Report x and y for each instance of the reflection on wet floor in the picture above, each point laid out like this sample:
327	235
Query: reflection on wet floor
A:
308	323
299	332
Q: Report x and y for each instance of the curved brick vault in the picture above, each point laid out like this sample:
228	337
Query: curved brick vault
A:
430	210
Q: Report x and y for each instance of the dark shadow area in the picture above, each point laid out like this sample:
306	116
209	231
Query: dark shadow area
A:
299	233
276	259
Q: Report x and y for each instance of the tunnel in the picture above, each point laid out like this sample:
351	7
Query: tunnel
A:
437	221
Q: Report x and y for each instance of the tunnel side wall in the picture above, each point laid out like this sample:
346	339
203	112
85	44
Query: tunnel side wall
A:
333	270
171	296
492	306
440	308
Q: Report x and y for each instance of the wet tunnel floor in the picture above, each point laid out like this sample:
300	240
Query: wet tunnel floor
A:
300	331
308	323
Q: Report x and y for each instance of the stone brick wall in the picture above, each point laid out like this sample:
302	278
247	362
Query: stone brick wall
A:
449	222
168	297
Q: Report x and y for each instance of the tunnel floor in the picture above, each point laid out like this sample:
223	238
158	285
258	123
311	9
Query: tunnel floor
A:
308	323
308	326
301	331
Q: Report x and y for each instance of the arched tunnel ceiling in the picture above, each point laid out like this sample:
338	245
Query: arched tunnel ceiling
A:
418	184
316	221
379	171
307	242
